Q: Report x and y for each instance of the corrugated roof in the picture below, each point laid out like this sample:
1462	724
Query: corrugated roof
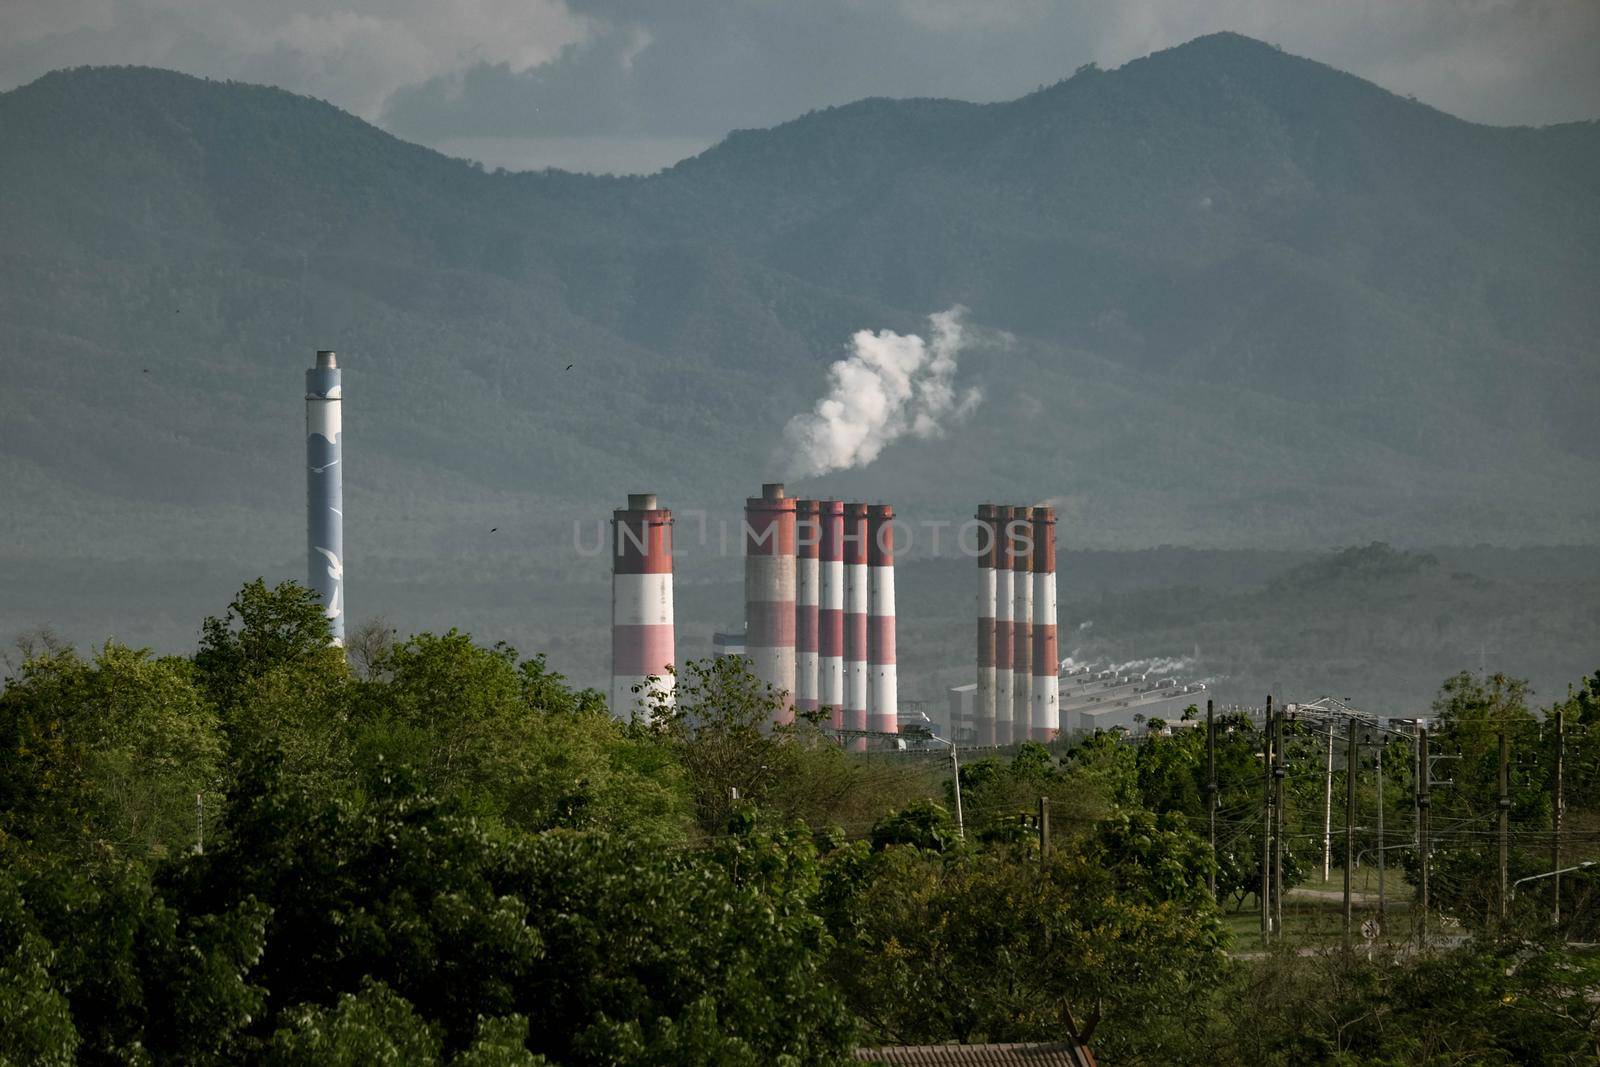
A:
1051	1054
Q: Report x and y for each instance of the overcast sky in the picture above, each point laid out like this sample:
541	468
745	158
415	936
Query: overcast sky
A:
620	85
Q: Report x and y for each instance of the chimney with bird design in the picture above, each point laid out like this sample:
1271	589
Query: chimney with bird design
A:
325	489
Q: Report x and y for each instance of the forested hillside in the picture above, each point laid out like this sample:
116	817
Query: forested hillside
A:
1220	296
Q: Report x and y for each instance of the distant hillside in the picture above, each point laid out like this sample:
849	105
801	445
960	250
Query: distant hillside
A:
1252	301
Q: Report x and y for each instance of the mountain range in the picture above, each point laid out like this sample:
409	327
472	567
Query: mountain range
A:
1220	296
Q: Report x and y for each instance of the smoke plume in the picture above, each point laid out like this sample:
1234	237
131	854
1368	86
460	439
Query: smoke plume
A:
889	386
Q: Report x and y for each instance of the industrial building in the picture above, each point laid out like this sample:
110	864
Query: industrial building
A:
1105	700
1091	700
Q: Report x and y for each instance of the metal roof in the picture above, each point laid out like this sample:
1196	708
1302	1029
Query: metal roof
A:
1051	1054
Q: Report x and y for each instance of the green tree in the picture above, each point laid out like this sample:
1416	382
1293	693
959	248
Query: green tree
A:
997	794
1470	714
371	1026
1481	1002
35	1018
375	1025
144	980
717	718
717	723
922	824
264	630
993	945
101	761
619	949
509	741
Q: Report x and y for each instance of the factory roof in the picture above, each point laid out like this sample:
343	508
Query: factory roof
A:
1051	1054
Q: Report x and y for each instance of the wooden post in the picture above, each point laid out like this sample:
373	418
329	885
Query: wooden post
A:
1424	844
1211	793
1349	830
1383	902
1504	835
1278	772
1044	828
1557	811
1265	890
1327	810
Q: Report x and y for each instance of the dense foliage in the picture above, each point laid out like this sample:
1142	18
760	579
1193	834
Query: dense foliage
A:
449	856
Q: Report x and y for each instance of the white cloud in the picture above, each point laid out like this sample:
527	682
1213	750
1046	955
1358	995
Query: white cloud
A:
701	67
354	53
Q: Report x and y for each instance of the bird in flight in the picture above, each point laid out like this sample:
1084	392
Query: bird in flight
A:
571	365
492	529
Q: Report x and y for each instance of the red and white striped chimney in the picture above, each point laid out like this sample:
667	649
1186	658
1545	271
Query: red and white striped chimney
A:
769	592
1022	623
1046	665
808	544
883	701
642	644
983	708
1004	648
856	694
830	614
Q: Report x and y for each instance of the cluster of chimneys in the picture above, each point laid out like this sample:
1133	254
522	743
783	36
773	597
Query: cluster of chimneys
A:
819	606
1019	690
818	590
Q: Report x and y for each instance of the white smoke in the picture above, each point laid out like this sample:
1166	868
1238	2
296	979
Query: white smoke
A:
889	386
1158	665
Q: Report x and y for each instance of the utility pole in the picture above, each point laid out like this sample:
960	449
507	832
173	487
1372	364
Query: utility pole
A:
1382	902
1211	793
1277	824
1327	810
1265	892
1557	812
1349	829
1505	819
1423	843
1044	829
955	768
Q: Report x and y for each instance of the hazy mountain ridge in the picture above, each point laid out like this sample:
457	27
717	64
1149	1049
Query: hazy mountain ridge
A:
1252	300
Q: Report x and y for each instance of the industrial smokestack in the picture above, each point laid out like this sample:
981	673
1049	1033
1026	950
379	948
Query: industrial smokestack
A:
1022	623
983	709
808	545
883	700
769	592
1046	667
642	641
856	694
325	488
1004	648
830	616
